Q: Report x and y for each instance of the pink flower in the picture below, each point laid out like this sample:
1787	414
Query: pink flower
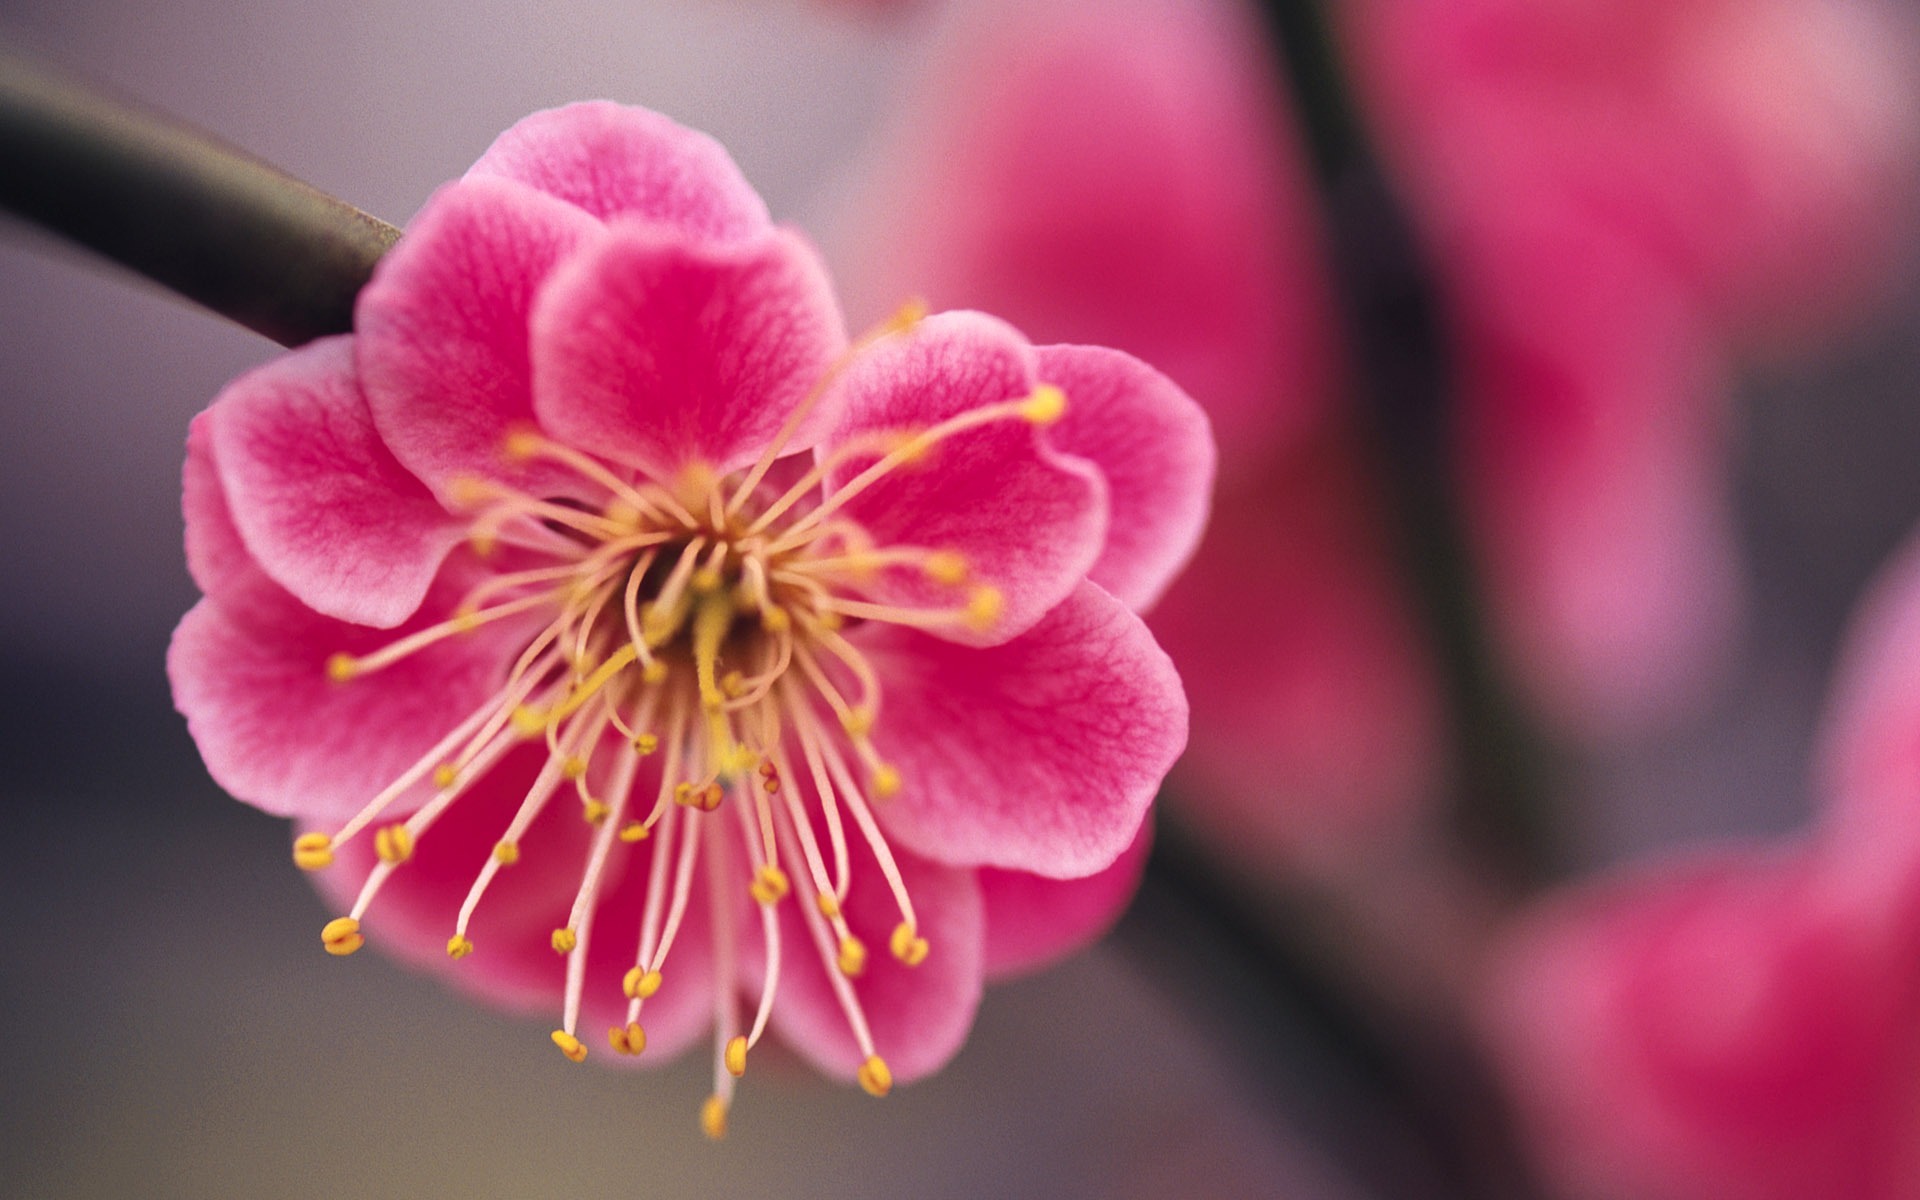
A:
1624	196
1744	1023
601	613
1616	198
1132	179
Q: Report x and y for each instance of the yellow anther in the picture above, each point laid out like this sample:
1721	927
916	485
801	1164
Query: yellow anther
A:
465	621
444	776
458	947
909	314
506	853
945	566
829	905
710	797
706	579
646	743
908	946
654	672
484	544
736	1056
529	721
564	940
776	620
522	444
393	843
342	936
713	1118
886	781
830	620
595	811
574	767
858	721
342	667
621	512
683	795
570	1045
634	831
1047	405
769	885
853	956
640	983
467	491
771	785
874	1076
628	1038
733	684
985	607
312	851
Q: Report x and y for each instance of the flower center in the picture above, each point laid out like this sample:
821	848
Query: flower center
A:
704	620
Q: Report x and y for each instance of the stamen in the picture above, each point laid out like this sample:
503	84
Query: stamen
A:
1044	406
341	936
904	318
312	851
569	1045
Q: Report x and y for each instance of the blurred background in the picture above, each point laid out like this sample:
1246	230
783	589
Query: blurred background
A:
173	1030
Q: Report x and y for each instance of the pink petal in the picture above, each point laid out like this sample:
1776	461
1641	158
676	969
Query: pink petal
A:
919	1015
1040	754
442	337
1706	1028
614	160
1870	748
217	558
1130	179
1027	519
1153	446
1594	466
1316	720
322	505
277	732
1033	920
661	352
513	962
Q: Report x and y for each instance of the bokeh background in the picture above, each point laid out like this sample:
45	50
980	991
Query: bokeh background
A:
170	1026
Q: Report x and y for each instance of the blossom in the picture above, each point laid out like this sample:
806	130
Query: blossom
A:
1741	1022
1132	179
1617	203
619	632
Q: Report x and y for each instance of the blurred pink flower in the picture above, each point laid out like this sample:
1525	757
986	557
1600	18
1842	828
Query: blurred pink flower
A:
1131	178
1622	197
1744	1024
598	515
1616	198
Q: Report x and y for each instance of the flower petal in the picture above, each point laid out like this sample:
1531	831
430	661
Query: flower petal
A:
661	352
1028	520
1155	449
919	1015
324	507
1705	1027
217	558
614	160
277	732
442	339
1040	754
1032	920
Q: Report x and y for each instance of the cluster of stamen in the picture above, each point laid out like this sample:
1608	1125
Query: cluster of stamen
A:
701	620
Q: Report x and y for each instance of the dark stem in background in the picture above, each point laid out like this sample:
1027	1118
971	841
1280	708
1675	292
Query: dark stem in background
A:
1404	377
216	225
1404	374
